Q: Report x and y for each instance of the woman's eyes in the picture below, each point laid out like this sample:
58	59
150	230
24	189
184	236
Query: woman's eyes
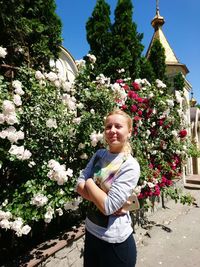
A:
117	126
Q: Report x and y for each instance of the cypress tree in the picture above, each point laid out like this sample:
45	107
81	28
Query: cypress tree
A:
179	82
146	71
30	30
157	60
118	45
126	45
99	35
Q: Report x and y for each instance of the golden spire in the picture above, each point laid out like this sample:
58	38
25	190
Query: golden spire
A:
157	21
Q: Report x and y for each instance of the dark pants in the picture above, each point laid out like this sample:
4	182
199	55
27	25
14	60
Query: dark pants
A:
99	253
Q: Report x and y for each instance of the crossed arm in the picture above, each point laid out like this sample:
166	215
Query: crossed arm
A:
90	191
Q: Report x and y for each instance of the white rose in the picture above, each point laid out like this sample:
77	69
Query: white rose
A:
84	155
3	52
17	224
81	146
12	137
59	211
51	76
11	119
3	134
8	107
67	86
17	85
17	100
26	155
39	200
5	224
26	229
39	75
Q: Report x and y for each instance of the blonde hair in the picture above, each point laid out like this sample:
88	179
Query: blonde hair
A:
127	147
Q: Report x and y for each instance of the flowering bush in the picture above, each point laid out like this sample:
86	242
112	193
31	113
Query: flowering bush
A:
47	132
160	140
50	127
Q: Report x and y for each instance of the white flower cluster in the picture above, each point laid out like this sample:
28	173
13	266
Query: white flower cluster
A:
58	172
9	115
17	85
17	225
142	82
20	152
12	134
39	200
3	52
101	79
69	101
73	205
95	138
160	84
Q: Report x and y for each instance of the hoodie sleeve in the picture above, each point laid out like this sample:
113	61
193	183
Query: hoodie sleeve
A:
122	186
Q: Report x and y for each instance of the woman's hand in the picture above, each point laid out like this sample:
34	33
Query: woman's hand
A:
124	209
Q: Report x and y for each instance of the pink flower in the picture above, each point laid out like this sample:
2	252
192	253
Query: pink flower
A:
119	81
137	118
156	190
151	166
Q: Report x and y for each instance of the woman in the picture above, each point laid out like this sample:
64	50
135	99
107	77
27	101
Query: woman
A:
107	182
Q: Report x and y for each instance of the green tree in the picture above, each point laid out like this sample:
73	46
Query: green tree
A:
30	30
98	29
117	46
157	60
126	44
146	70
179	82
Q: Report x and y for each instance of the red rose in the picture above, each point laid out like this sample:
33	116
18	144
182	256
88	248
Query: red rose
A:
182	133
126	87
124	107
136	86
119	81
134	108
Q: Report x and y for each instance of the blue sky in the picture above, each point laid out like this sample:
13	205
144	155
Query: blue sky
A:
181	28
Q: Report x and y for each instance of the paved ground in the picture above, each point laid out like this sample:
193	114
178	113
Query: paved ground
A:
172	237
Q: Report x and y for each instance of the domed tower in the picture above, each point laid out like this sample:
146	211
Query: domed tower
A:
173	66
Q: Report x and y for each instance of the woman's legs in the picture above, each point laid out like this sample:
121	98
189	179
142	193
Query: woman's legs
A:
99	253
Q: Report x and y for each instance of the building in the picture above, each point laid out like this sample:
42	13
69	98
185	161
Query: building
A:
173	67
65	65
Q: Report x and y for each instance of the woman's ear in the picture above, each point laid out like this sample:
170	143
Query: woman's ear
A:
130	133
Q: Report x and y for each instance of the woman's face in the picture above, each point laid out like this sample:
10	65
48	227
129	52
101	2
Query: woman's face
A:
117	132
